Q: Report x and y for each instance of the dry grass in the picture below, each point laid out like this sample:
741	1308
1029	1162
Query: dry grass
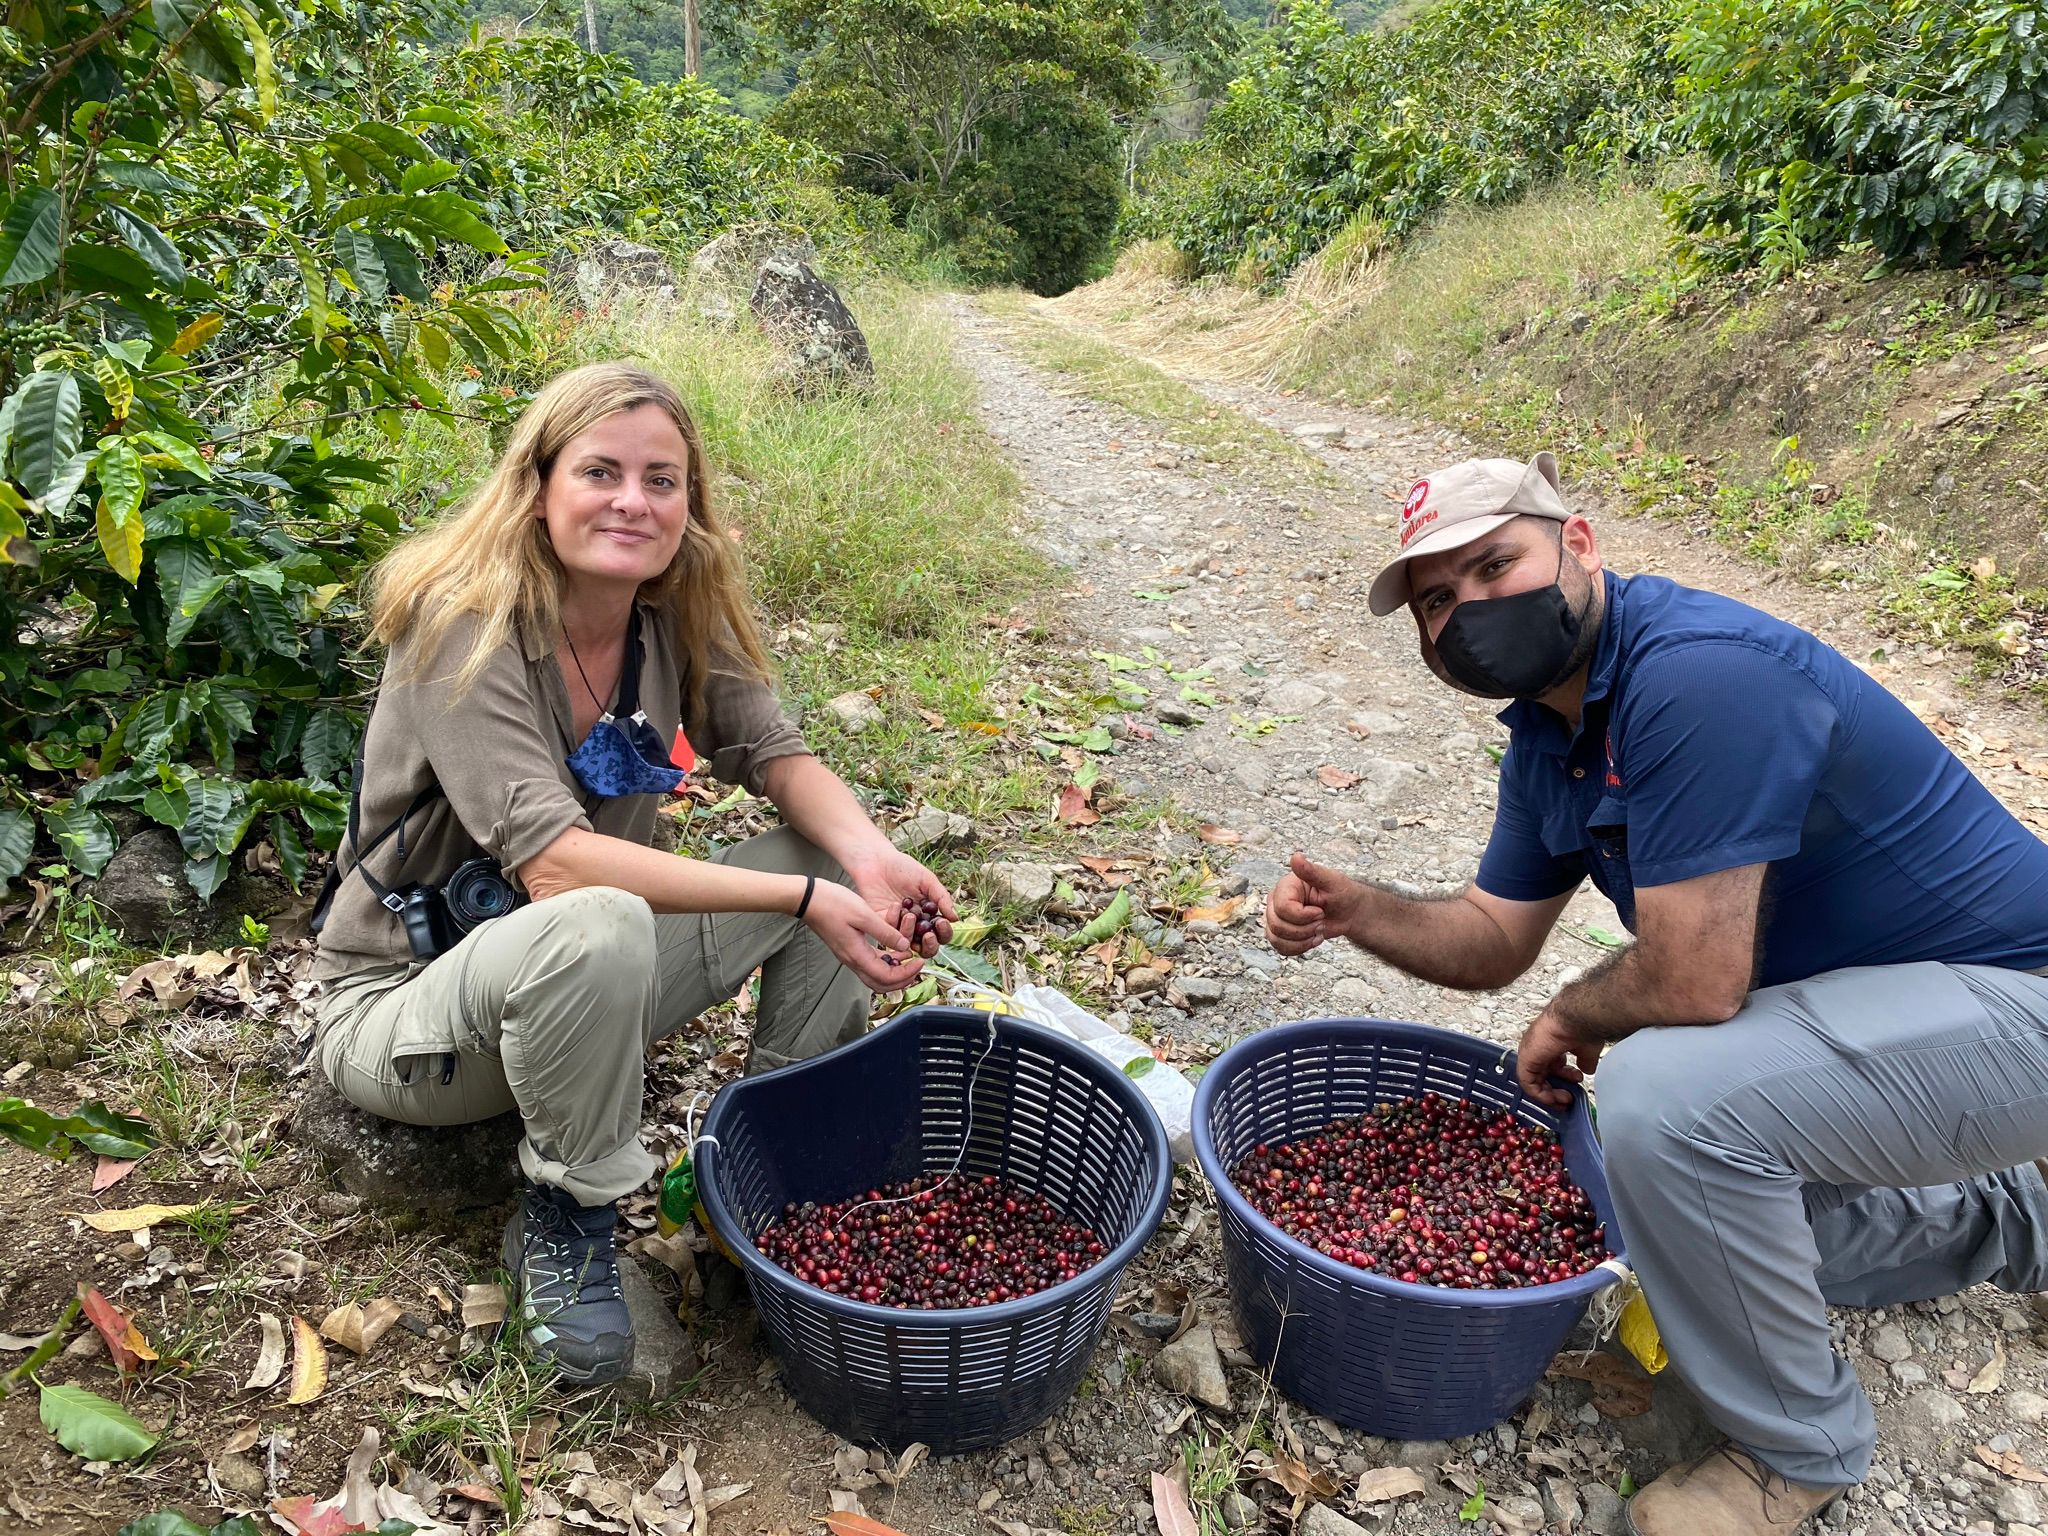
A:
1355	320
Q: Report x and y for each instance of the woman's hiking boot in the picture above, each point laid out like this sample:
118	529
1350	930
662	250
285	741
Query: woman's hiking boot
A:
1727	1492
565	1275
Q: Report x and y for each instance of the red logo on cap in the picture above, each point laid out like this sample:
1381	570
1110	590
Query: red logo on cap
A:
1417	495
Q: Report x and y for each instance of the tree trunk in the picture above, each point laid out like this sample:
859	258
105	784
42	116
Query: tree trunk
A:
590	25
693	40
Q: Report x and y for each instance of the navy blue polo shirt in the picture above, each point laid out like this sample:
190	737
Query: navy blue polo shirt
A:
1715	736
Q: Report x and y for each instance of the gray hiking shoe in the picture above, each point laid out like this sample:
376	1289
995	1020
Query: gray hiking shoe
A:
565	1277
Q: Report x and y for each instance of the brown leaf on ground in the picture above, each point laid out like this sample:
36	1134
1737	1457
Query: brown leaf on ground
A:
1222	837
270	1360
109	1171
1223	913
1074	809
1991	1376
123	1339
1330	776
2012	1464
357	1328
483	1305
1619	1390
1170	1508
134	1217
309	1363
1300	1479
1384	1483
851	1522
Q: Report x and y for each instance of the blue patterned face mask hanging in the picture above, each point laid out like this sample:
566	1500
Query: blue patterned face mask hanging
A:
622	755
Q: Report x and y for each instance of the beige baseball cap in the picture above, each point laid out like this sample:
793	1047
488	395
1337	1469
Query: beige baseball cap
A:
1467	501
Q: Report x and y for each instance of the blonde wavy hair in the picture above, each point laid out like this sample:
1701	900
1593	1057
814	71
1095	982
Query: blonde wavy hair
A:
493	558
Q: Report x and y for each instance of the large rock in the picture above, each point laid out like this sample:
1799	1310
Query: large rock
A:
606	267
1193	1366
933	830
146	899
437	1169
821	343
1018	883
664	1359
730	266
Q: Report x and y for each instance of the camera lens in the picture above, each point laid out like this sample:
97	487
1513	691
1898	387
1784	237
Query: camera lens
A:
477	892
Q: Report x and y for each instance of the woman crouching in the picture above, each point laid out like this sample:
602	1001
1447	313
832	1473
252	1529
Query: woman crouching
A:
498	933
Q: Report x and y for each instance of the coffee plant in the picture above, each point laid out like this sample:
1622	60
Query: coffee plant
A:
1918	126
245	245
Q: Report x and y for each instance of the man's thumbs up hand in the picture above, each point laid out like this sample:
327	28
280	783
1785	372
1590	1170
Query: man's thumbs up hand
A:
1309	903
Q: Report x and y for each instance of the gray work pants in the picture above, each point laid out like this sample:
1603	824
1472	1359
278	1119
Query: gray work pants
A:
1864	1137
551	1008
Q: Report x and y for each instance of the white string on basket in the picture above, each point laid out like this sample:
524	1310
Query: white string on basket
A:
955	985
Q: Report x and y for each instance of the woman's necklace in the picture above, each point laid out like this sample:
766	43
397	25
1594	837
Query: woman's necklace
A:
583	674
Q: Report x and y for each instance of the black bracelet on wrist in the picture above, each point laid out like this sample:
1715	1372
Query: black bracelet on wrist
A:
810	885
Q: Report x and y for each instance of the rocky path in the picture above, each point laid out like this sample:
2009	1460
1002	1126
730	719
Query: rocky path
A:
1310	725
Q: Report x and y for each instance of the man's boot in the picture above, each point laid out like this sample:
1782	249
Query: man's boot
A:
565	1276
1727	1492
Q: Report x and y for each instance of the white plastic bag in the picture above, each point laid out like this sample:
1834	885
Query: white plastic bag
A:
1171	1095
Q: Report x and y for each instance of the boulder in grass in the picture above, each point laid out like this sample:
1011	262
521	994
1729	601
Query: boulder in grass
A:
439	1170
822	345
606	267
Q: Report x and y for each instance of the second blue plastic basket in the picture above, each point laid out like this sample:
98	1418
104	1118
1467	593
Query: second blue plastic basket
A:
1410	1362
1048	1114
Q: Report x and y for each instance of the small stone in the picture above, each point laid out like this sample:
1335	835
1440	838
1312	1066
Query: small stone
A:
2017	1503
1143	981
1325	1521
1890	1344
1305	602
1239	1512
1020	884
855	710
1173	712
1192	1366
240	1475
2027	1407
1200	989
1350	992
1294	697
1935	1410
1518	1513
1908	1374
1252	776
1320	434
1603	1508
934	830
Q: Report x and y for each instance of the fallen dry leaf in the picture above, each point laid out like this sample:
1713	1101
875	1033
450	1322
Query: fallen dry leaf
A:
483	1306
700	1517
123	1339
1223	913
905	1464
1992	1375
1330	776
851	1522
1074	809
134	1218
2012	1464
305	1517
357	1328
1170	1508
309	1363
1299	1478
109	1171
1619	1390
1222	837
270	1360
1384	1483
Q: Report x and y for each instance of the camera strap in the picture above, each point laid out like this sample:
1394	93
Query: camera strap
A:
387	897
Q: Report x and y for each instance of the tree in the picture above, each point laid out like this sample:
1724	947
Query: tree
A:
914	96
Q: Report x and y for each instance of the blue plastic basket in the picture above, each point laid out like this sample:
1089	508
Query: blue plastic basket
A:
1047	1115
1409	1362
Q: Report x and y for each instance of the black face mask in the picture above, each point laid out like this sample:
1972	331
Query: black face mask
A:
1515	647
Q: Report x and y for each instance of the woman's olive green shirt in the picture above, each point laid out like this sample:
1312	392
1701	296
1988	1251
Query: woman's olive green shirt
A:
498	751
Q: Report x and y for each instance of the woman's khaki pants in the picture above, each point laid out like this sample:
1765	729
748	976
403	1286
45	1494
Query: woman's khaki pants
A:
551	1008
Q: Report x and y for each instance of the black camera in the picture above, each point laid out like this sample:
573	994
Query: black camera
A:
437	918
